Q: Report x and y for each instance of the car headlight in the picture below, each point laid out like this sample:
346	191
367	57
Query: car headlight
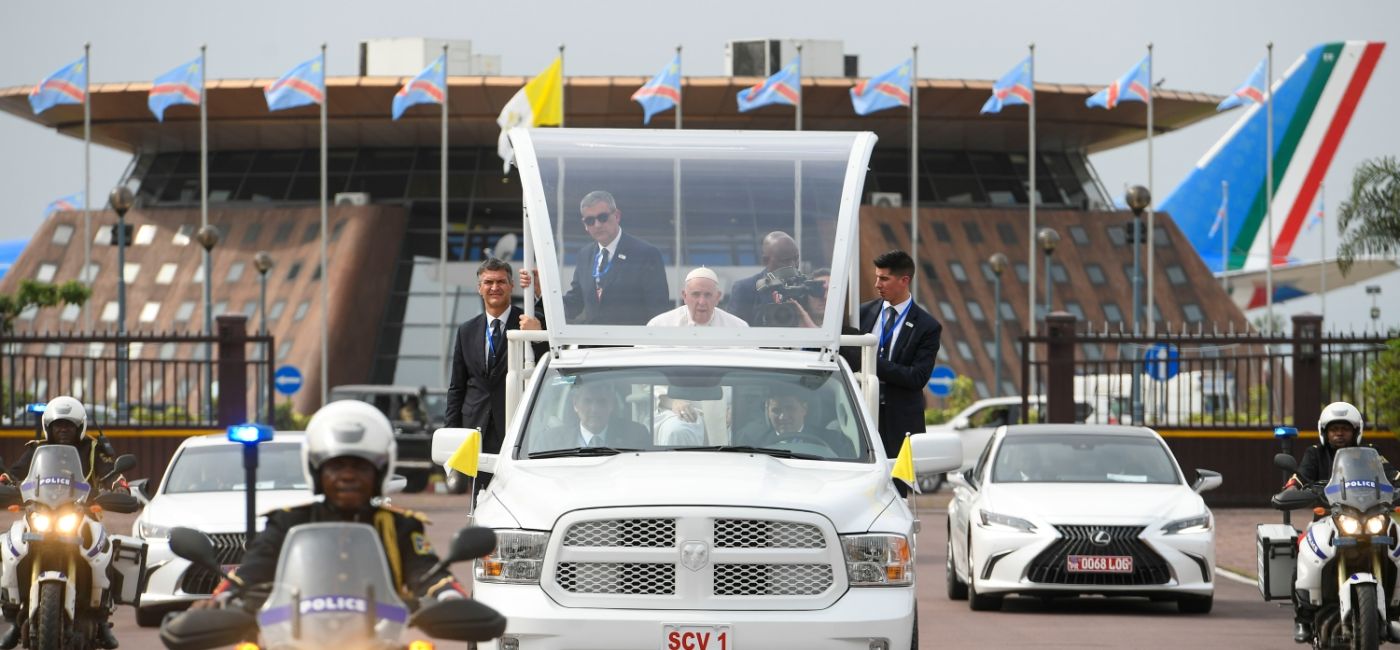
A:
994	520
68	522
878	560
518	558
1350	525
40	522
1197	524
1376	524
148	530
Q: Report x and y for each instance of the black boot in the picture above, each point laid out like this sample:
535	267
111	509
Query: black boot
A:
1302	632
11	638
105	637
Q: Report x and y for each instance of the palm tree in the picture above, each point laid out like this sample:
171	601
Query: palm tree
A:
1369	221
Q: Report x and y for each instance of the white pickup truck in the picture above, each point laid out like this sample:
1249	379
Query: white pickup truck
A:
696	487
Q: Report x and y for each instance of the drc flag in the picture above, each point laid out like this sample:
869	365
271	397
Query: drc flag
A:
1012	88
1251	92
63	87
183	85
662	93
784	87
888	90
70	202
305	84
1131	87
429	87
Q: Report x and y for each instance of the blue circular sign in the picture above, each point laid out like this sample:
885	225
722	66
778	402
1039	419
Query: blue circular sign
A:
1161	361
287	380
940	381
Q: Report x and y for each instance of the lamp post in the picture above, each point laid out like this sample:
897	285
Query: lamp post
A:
1049	239
1374	291
263	263
998	262
121	200
1138	198
208	237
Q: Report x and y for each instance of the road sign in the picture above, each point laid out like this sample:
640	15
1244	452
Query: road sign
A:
940	382
287	380
1162	361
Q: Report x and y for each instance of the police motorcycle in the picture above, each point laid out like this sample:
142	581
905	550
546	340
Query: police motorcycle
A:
332	590
1347	560
61	567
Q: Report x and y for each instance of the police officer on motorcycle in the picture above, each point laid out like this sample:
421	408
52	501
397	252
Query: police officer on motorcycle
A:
65	423
1340	426
350	454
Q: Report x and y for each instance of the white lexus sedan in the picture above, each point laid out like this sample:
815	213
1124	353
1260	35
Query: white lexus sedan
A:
1070	509
204	488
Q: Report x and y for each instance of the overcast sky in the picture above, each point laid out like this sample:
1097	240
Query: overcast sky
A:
1201	45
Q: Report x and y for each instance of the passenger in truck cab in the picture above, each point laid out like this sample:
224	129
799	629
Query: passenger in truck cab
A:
786	421
599	424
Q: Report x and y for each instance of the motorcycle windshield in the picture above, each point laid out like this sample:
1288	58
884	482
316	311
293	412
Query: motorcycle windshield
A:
1358	479
55	476
332	590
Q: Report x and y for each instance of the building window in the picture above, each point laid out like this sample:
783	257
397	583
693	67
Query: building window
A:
981	387
1160	238
182	236
1128	273
283	349
29	313
250	236
1006	233
46	272
130	272
337	228
93	272
250	308
975	310
1008	388
220	308
109	312
167	351
974	233
1079	235
987	273
166	275
103	236
284	232
145	235
1095	273
1007	312
1092	351
316	275
947	309
1023	272
959	273
990	347
185	310
941	232
1192	311
70	313
97	350
276	311
929	271
301	311
150	312
1058	272
235	272
1112	313
293	271
1176	274
312	232
1075	308
1117	235
62	233
965	350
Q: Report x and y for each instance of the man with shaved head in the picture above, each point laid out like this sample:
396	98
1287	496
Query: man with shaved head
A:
701	296
779	251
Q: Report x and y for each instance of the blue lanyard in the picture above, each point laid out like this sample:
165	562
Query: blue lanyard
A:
491	340
597	272
887	336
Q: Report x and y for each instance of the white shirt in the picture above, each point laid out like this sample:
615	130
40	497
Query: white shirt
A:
680	317
898	309
490	320
598	264
585	436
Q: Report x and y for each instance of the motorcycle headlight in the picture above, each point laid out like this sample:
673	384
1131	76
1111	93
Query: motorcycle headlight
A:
40	522
878	560
994	520
1350	525
1376	524
68	522
1197	524
518	558
148	530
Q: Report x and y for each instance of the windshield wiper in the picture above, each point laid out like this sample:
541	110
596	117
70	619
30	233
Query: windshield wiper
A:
580	451
747	449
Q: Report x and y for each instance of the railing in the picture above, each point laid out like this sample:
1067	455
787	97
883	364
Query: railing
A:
141	380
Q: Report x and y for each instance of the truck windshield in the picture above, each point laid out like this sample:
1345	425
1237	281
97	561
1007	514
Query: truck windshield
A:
794	413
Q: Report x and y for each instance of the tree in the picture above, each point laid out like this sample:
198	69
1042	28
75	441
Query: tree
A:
1369	221
1383	386
40	294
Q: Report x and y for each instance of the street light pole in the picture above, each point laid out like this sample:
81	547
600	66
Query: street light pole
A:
1138	198
208	237
998	262
1049	239
1374	291
121	200
263	263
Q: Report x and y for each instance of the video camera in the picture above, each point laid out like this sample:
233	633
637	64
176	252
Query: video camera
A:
785	284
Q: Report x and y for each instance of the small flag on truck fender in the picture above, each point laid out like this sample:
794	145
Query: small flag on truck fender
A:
903	464
465	459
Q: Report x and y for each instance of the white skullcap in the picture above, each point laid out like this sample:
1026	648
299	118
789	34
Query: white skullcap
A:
702	272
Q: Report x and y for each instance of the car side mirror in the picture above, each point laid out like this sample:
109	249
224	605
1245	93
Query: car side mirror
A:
459	620
959	423
141	489
117	502
1286	462
1206	480
935	453
123	463
199	629
196	547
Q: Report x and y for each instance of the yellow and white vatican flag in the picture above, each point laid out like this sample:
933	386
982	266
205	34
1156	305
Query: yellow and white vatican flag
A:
539	103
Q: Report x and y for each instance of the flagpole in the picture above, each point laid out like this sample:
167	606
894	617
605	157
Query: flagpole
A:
204	221
559	192
1149	299
1269	188
914	166
680	88
87	180
1030	238
1224	231
797	166
445	348
1322	247
325	235
676	175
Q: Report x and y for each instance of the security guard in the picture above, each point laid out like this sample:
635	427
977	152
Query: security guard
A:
350	454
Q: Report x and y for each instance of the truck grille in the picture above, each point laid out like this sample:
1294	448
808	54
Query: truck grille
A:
1051	565
642	533
772	579
755	533
617	578
228	547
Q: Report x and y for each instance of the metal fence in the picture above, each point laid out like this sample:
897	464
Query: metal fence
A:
143	380
1199	380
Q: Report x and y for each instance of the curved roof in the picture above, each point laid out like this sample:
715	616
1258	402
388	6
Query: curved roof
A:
359	114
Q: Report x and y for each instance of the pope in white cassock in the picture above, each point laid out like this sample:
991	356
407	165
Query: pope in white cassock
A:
701	295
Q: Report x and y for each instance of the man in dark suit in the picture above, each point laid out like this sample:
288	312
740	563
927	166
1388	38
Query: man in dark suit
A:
909	340
779	250
476	395
785	412
618	279
598	423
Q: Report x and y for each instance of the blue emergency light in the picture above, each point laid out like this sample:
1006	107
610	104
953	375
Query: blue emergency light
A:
1285	432
250	434
36	408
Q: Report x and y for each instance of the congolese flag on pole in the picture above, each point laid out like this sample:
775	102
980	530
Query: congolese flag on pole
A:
1012	88
888	90
1131	87
305	84
429	87
539	103
182	85
62	87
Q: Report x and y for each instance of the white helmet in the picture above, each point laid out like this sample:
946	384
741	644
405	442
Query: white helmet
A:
350	428
65	408
1339	412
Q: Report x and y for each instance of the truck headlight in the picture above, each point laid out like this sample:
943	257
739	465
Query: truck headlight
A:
1197	524
148	530
994	520
518	558
877	560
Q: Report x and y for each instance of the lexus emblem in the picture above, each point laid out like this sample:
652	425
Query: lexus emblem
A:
1101	537
694	555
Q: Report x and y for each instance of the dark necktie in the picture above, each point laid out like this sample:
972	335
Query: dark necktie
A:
886	335
497	342
599	272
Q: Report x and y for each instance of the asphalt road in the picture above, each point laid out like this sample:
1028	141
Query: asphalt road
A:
1239	621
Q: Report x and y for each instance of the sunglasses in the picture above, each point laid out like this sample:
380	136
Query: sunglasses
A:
598	218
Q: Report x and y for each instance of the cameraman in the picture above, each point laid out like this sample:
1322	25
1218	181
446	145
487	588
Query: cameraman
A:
779	251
